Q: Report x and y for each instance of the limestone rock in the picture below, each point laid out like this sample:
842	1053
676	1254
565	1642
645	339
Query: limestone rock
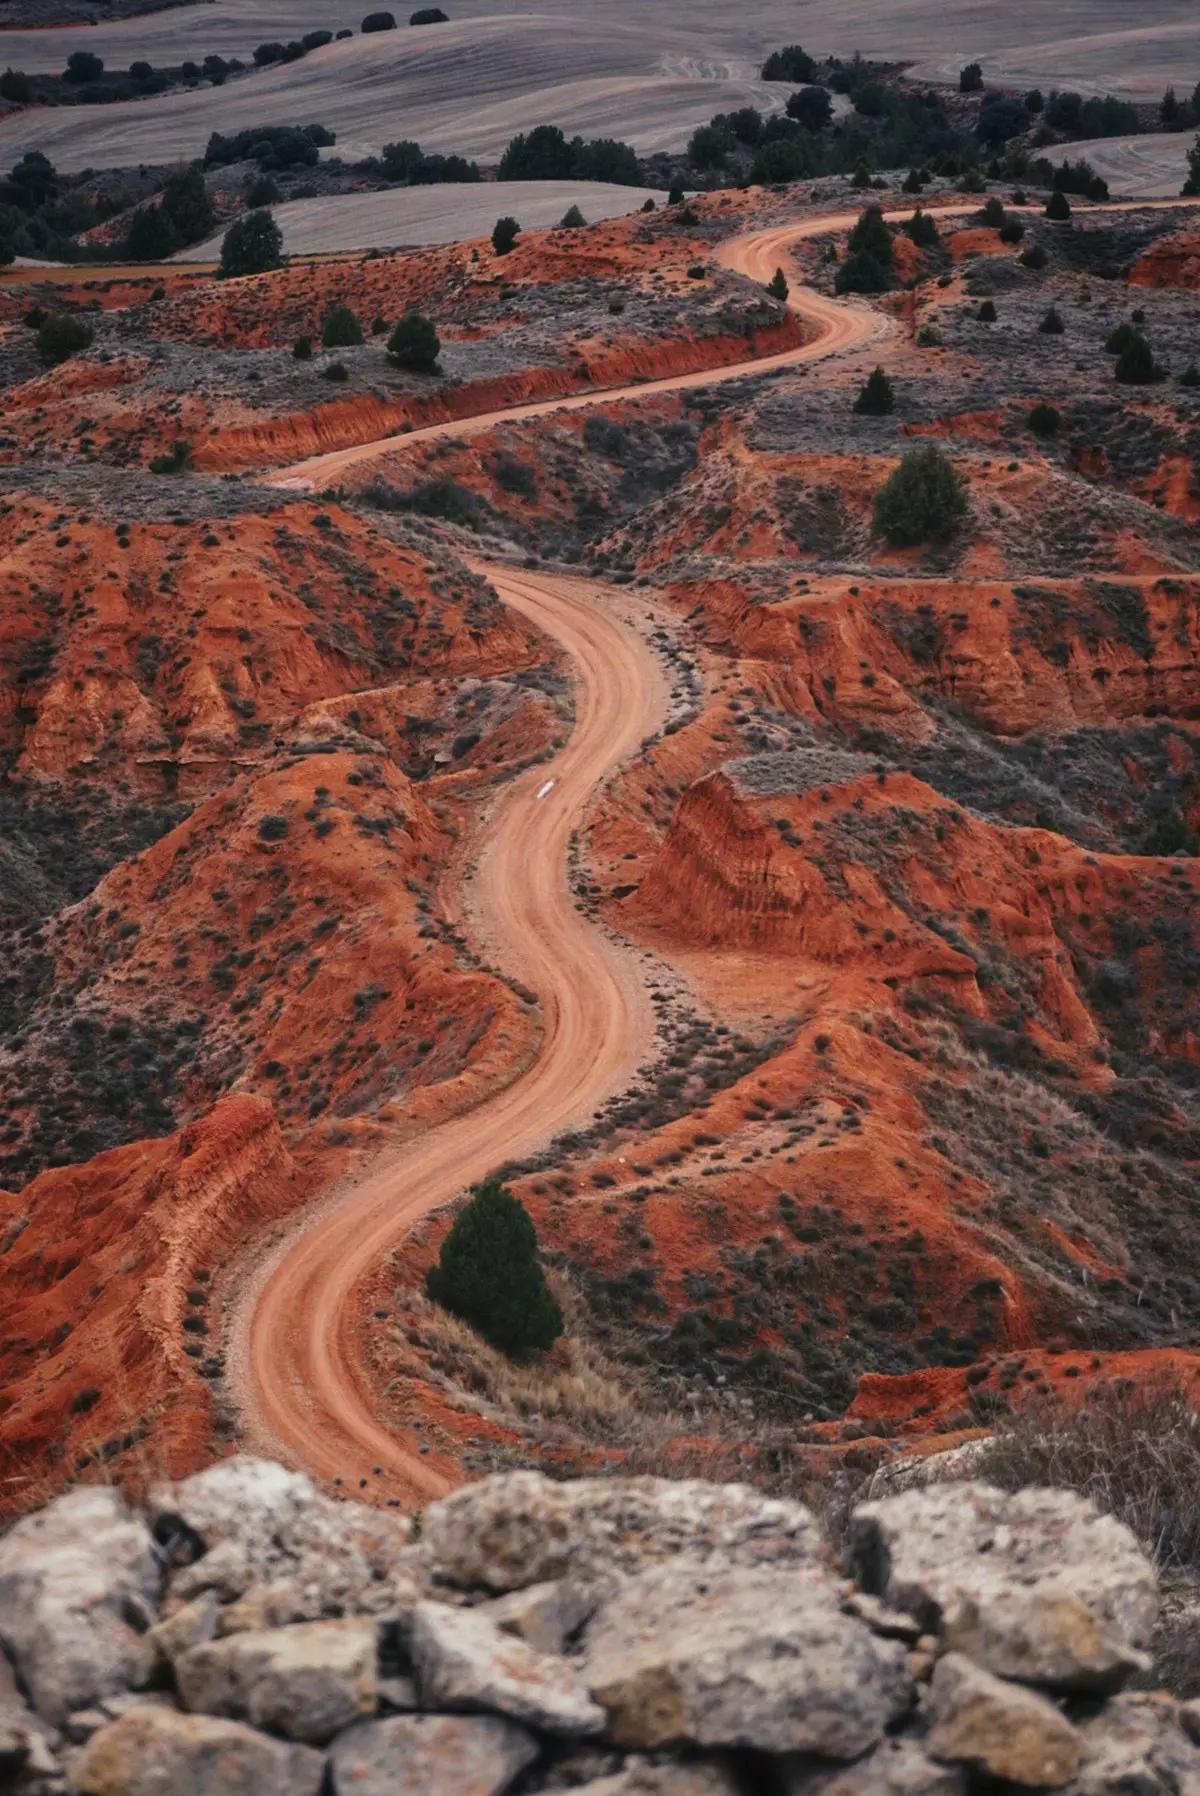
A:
225	1569
1034	1584
463	1661
471	1755
645	1779
78	1583
306	1556
519	1528
193	1625
1137	1746
158	1752
893	1624
545	1616
306	1682
895	1768
988	1725
917	1471
756	1657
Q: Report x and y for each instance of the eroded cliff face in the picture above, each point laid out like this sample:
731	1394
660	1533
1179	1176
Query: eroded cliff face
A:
110	1337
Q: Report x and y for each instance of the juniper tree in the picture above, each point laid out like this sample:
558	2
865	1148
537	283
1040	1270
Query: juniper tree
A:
489	1274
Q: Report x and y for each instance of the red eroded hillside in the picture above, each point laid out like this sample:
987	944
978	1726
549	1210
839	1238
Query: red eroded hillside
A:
109	1342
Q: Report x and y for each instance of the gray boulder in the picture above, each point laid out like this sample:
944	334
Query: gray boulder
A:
545	1616
1034	1585
78	1584
982	1722
645	1779
1137	1746
895	1768
463	1661
753	1657
519	1528
158	1752
286	1552
306	1682
469	1755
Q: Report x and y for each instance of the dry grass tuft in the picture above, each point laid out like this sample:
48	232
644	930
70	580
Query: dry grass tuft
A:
1134	1449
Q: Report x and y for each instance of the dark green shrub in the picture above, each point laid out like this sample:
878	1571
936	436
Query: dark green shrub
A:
862	274
1120	338
1190	376
414	345
273	828
993	213
922	229
489	1274
676	196
61	336
572	220
790	64
302	349
379	21
1058	206
341	329
261	191
177	462
877	397
335	371
1052	324
1012	230
504	236
709	145
252	245
777	286
82	67
923	500
871	237
1044	420
811	107
429	15
987	312
1172	834
970	79
1033	257
1136	366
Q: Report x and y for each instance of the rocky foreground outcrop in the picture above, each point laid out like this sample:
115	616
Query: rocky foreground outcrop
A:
621	1637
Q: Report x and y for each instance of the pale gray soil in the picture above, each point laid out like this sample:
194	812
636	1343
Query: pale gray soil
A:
419	215
645	70
1141	168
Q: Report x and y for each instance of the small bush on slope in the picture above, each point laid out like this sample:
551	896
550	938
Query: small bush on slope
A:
489	1273
922	500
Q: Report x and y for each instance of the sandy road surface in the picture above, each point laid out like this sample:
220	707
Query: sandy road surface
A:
840	324
296	1329
294	1354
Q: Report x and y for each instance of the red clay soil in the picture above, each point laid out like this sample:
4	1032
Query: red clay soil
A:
105	1321
1170	262
172	655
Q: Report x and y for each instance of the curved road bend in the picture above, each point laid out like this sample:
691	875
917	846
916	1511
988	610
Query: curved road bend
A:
296	1324
294	1348
295	1357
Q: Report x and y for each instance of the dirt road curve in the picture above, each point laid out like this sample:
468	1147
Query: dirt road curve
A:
305	1394
296	1362
295	1359
840	325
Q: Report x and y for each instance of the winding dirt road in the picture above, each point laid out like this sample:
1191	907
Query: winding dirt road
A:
295	1357
296	1324
296	1361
